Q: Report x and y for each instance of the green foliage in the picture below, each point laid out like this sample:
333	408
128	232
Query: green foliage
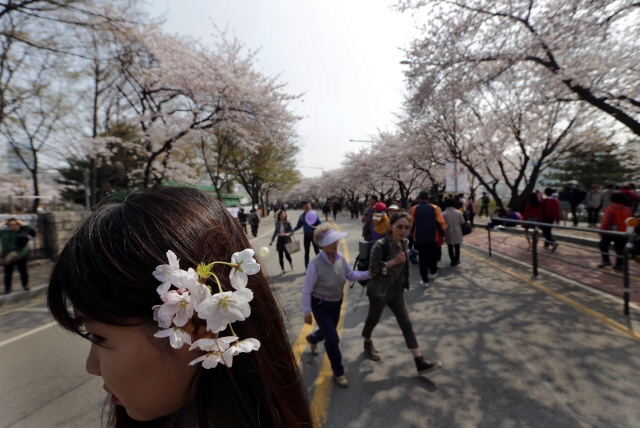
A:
109	173
594	164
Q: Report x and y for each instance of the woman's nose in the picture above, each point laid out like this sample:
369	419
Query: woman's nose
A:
93	361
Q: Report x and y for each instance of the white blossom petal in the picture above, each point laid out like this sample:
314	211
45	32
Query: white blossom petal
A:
246	265
177	336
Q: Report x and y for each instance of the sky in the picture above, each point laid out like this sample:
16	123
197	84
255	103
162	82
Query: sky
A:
343	55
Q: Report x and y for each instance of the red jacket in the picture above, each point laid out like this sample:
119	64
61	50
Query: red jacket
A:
532	212
550	208
611	217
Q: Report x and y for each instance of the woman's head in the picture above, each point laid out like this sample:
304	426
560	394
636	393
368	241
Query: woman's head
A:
400	225
282	215
451	202
534	200
104	274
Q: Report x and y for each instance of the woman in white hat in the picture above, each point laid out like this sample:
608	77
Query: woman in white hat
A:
322	294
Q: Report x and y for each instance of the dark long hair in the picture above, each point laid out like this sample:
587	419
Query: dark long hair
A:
534	200
104	271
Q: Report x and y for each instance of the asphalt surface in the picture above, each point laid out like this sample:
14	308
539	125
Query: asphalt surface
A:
551	354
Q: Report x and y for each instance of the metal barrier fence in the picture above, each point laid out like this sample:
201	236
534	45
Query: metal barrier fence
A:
629	236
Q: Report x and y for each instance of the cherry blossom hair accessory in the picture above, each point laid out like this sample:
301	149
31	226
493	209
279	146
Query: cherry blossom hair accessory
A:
219	310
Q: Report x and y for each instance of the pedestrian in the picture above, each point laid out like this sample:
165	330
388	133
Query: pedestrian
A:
354	209
254	221
614	218
322	294
593	202
103	288
532	212
472	209
550	211
14	236
428	229
380	221
606	196
283	232
336	208
326	210
389	266
575	196
453	233
308	232
392	209
484	204
367	217
242	219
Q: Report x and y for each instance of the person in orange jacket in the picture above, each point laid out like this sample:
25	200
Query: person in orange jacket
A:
614	218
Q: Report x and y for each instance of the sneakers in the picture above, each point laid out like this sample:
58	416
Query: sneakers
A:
554	246
604	265
282	273
291	264
432	278
313	346
371	352
423	366
341	381
424	284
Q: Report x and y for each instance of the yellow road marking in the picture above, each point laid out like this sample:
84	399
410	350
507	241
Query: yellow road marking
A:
301	341
577	306
21	307
324	383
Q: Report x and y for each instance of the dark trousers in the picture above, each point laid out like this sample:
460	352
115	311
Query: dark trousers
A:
335	213
21	264
254	230
546	231
484	209
327	315
592	214
428	258
454	252
281	254
618	244
471	217
399	308
308	241
574	214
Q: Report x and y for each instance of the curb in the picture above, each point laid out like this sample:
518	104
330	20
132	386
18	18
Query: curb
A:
18	296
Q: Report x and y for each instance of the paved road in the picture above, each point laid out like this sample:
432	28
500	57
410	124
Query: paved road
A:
516	352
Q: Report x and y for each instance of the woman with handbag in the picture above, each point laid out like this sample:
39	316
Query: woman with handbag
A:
453	233
283	232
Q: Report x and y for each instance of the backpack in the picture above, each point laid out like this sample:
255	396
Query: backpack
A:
362	264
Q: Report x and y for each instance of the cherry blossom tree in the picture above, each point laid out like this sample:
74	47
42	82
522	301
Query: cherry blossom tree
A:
176	87
588	49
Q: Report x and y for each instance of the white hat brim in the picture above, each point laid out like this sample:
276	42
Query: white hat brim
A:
332	237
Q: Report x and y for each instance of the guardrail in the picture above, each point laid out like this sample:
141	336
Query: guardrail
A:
630	237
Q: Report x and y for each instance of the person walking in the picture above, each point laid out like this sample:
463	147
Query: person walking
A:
576	196
613	219
550	211
242	219
337	207
308	232
593	202
453	233
485	204
532	212
322	294
283	232
389	267
472	210
14	235
254	221
367	217
428	228
326	210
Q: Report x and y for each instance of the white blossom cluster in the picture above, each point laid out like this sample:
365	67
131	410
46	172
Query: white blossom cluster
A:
219	310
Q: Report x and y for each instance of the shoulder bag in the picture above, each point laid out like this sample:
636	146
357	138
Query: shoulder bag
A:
293	246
